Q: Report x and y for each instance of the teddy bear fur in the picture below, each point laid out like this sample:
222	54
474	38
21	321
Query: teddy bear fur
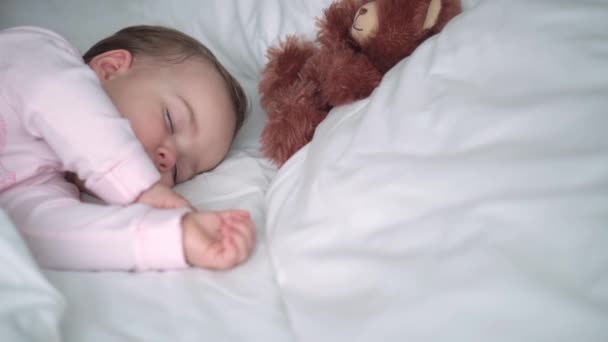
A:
303	80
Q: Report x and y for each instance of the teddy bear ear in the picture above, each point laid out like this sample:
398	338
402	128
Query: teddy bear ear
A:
402	29
334	26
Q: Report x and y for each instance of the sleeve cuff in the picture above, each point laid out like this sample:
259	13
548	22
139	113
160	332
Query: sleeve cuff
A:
159	241
123	183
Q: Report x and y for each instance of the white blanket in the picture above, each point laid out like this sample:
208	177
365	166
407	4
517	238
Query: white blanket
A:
465	200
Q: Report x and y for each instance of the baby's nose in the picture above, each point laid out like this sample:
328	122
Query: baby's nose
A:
164	159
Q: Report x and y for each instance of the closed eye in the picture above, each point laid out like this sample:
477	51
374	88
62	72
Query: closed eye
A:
169	122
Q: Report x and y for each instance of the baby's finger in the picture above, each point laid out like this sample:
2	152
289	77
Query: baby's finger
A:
236	214
248	241
246	230
229	215
243	214
226	257
240	243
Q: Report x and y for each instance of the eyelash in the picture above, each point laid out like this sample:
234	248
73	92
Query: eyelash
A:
171	128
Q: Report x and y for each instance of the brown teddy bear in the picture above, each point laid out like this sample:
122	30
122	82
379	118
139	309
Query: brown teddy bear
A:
357	43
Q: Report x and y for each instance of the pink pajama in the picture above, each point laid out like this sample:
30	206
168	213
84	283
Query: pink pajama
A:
55	117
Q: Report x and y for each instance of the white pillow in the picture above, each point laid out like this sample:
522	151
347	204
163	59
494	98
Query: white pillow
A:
467	198
240	31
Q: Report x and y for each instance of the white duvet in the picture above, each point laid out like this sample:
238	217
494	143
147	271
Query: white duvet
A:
465	200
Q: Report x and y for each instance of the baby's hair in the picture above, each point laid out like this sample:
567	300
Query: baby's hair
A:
167	44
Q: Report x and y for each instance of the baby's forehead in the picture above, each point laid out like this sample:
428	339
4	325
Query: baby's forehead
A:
201	71
207	93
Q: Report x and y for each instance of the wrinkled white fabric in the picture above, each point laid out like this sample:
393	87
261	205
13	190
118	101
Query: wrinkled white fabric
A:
30	308
467	198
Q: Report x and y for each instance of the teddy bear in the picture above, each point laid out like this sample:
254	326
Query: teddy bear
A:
357	42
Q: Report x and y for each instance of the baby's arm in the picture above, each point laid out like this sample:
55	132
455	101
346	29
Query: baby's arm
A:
62	102
64	233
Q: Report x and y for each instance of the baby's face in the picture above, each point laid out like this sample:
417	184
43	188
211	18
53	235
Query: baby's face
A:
182	114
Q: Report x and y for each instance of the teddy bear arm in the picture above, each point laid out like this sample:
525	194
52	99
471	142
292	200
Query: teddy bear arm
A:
283	68
291	120
347	76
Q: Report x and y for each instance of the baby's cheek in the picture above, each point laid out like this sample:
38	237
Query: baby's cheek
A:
149	133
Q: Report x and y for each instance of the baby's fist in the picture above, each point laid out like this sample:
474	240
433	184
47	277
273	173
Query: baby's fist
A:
217	240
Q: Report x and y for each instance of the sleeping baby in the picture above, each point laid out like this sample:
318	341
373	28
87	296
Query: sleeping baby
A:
141	111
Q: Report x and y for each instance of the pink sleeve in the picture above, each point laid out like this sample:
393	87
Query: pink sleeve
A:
62	102
64	233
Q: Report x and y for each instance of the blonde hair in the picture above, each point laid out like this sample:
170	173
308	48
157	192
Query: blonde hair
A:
167	44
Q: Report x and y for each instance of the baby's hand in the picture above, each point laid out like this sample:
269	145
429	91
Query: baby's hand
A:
163	197
217	240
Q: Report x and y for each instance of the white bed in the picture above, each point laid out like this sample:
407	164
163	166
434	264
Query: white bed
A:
465	200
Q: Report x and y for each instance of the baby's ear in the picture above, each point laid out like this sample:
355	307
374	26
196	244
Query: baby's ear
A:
111	63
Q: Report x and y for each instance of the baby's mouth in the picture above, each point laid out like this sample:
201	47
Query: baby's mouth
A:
356	28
